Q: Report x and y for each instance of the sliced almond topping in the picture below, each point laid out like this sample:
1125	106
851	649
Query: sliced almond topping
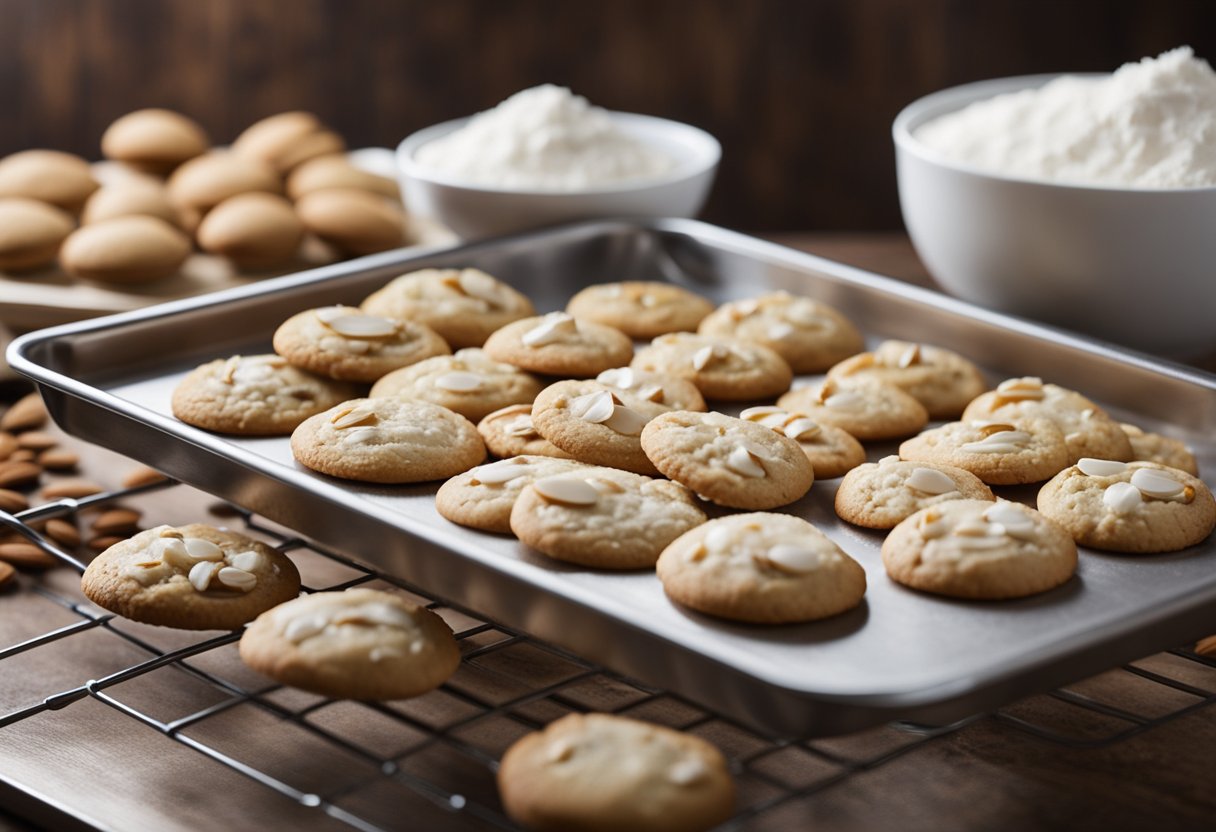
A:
621	378
380	652
702	357
1000	442
497	473
352	416
1019	389
249	560
363	326
687	771
650	392
1087	413
170	533
889	460
803	429
460	382
744	462
987	427
648	300
173	551
520	426
931	481
200	549
569	491
625	421
910	356
1091	467
697	553
201	574
329	314
1015	521
718	538
793	558
845	400
1156	484
974	528
805	313
931	525
1122	497
228	374
779	331
237	579
755	414
480	285
559	751
304	627
606	486
551	329
594	407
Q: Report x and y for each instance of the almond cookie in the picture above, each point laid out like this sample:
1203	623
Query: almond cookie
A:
560	345
605	773
595	424
604	518
761	568
357	644
869	411
509	432
725	369
1164	450
941	380
811	336
879	495
832	451
469	382
998	452
194	577
661	392
1138	507
1087	429
979	550
462	305
343	343
254	395
731	462
482	497
388	440
640	309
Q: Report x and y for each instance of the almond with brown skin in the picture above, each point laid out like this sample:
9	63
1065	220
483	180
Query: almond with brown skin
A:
27	413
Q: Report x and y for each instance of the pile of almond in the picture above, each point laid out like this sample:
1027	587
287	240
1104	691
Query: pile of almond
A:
166	190
27	453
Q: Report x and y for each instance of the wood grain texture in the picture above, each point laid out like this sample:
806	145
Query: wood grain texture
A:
801	92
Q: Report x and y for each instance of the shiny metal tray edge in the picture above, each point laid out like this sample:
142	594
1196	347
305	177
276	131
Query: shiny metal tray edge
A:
322	510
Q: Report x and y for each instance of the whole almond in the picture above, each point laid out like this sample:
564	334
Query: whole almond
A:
63	532
27	413
12	501
31	233
335	171
17	473
37	440
143	475
353	220
255	230
58	459
154	140
26	556
286	140
207	180
131	249
103	542
116	520
7	573
23	455
71	488
131	196
61	179
8	444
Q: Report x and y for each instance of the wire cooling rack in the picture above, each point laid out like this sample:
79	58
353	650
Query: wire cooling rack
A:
430	762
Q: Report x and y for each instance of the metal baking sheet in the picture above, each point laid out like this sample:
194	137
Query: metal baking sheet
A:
900	655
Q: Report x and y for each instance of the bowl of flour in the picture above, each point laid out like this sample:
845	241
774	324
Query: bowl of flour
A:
546	156
1085	201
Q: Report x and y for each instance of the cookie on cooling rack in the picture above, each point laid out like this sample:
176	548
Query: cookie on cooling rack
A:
357	644
573	775
192	577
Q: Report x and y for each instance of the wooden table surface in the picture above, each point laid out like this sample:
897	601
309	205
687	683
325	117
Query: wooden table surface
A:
988	775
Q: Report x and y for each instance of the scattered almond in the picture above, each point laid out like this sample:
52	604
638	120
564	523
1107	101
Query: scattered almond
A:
58	459
142	475
26	556
63	533
23	455
14	473
26	413
8	444
37	440
7	573
12	501
115	520
72	488
103	542
223	510
1206	647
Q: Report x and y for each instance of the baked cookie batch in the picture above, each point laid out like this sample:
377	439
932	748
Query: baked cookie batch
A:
672	456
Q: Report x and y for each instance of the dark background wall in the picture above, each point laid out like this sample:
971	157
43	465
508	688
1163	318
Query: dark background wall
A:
800	92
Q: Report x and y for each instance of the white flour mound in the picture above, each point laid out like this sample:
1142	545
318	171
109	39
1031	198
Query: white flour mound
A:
1150	124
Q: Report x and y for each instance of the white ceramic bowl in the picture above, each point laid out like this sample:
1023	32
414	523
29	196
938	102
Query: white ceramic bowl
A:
1134	267
475	211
